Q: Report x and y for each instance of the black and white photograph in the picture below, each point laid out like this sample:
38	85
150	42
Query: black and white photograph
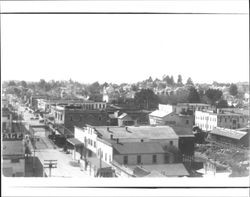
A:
116	98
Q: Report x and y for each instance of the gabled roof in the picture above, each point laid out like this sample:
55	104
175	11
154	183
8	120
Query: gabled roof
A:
230	133
138	148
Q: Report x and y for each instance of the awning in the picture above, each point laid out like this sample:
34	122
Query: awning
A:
74	141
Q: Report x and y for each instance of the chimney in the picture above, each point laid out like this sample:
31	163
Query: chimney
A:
117	140
142	140
111	137
107	128
218	111
126	128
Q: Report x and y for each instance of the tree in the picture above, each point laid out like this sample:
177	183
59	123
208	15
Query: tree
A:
233	89
171	81
146	99
24	84
179	80
189	81
12	83
42	84
213	95
193	96
94	88
222	104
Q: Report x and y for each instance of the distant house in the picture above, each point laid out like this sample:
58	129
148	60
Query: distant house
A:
13	163
133	118
167	115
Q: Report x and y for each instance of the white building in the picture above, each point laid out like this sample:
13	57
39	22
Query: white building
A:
208	120
121	147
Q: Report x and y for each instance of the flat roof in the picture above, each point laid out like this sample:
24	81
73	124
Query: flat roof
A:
230	133
13	148
137	132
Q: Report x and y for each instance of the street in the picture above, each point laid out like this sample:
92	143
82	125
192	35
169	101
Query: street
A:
47	150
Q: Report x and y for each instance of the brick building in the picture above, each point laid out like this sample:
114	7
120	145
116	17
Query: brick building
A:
66	117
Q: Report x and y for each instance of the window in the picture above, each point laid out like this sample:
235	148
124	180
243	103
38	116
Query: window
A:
125	160
187	122
109	158
71	118
166	158
95	144
138	159
99	118
154	158
171	143
14	160
105	156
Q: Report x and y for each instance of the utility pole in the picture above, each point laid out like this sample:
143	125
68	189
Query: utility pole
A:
50	164
34	151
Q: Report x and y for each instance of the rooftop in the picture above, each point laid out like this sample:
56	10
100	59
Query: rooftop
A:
169	170
183	131
13	148
230	133
137	132
159	113
193	104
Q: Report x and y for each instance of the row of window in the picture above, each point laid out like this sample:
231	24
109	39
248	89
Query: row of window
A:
139	159
105	155
91	142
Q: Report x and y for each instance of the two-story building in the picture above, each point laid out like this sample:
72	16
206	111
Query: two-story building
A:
65	117
124	148
167	115
208	120
13	163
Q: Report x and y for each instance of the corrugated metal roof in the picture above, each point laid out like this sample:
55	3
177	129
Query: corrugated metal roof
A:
230	133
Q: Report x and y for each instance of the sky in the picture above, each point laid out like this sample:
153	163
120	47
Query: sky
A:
125	48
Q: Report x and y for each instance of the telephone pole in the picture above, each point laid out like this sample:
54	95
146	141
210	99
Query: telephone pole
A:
50	164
